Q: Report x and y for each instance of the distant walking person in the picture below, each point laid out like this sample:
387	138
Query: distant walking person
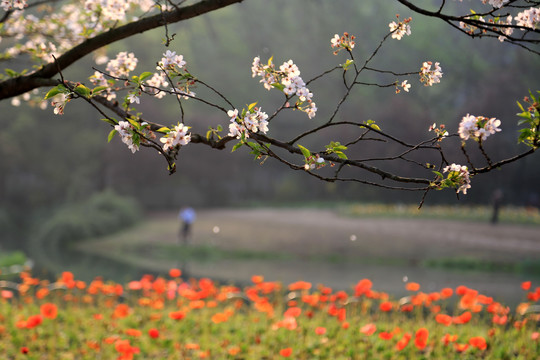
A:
496	200
188	216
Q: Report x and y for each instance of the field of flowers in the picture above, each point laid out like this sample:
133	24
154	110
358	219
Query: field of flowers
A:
174	318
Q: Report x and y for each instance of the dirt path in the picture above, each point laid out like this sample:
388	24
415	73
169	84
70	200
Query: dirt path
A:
314	231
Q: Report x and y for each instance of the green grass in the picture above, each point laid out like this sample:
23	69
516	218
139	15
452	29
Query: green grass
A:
525	267
207	253
12	258
507	215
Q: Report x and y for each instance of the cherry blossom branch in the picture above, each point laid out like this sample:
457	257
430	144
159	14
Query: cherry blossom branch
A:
501	163
8	13
42	77
474	25
343	163
249	128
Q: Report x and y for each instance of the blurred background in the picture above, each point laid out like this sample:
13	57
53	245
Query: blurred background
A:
63	185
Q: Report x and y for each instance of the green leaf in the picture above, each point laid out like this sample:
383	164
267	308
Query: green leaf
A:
163	129
347	64
341	155
304	151
55	91
111	135
109	121
11	73
208	134
219	128
278	86
255	149
372	124
82	90
134	123
236	146
145	75
251	106
98	89
51	93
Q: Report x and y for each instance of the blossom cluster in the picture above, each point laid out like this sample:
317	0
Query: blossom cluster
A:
13	4
404	85
48	33
430	76
119	67
115	10
59	103
495	3
478	127
400	28
98	79
252	121
170	65
155	83
440	131
122	65
171	61
529	18
176	137
459	174
173	64
314	162
288	80
344	41
126	132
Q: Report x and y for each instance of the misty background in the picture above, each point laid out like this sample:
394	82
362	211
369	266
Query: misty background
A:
50	165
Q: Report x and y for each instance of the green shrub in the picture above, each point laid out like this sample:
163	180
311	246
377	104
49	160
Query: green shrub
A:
102	214
12	258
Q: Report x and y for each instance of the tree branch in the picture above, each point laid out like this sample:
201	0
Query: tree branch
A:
42	77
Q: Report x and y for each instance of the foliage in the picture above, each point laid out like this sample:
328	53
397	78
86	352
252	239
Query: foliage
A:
171	318
12	258
530	135
102	214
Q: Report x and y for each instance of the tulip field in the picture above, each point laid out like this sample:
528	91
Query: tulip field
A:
168	317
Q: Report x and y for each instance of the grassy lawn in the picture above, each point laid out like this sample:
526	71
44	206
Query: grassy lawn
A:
507	215
376	234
